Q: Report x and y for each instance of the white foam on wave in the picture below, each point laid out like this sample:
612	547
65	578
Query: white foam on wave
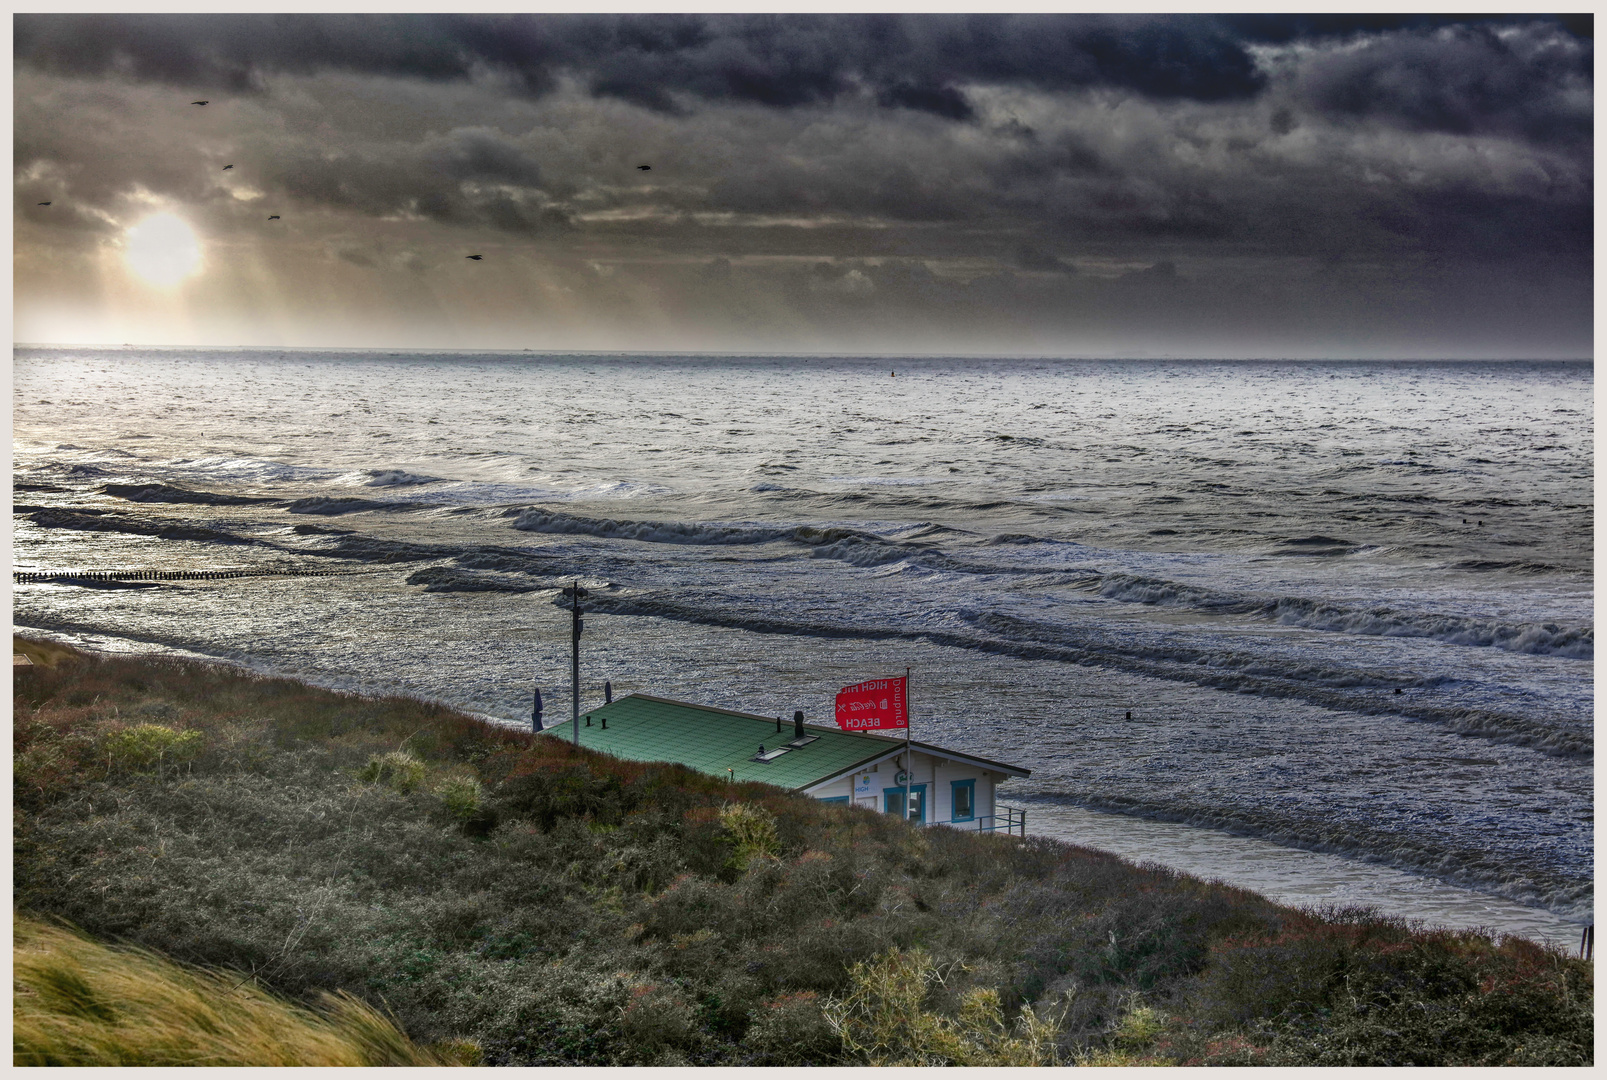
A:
396	478
616	489
889	481
1540	639
827	541
247	469
861	551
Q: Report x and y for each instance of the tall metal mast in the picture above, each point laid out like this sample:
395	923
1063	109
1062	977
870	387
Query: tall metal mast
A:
909	759
576	625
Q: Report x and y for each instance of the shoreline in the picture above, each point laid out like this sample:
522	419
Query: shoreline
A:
1299	878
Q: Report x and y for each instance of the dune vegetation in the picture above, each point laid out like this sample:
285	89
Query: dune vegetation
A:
509	900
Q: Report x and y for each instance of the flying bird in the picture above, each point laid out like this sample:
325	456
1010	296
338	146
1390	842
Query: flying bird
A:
44	204
476	258
645	168
226	168
273	217
197	103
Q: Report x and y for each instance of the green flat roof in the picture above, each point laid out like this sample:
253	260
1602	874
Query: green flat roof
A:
646	728
642	727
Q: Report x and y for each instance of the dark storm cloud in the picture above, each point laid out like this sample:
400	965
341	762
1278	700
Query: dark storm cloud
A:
1533	81
1284	28
781	61
1448	73
468	176
232	52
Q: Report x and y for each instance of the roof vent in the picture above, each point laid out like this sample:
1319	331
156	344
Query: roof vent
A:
800	737
770	755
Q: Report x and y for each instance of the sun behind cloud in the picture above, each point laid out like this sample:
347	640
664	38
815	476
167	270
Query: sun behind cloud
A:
162	249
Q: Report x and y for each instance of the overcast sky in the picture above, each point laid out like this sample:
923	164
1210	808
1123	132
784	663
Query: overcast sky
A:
1064	185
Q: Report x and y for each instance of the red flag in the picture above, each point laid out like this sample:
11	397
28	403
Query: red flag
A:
873	705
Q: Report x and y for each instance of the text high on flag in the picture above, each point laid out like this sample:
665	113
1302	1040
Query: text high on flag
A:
873	706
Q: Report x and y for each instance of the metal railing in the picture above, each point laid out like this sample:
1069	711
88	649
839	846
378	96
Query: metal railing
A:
1011	820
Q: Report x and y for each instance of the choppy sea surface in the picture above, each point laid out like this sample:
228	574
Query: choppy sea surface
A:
1337	609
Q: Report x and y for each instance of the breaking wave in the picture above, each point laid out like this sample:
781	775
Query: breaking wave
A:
1541	639
656	532
396	478
446	579
320	504
103	522
539	520
166	493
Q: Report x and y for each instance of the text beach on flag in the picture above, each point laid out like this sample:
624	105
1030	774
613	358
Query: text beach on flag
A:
874	705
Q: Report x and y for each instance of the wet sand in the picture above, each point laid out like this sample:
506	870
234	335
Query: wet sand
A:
1294	877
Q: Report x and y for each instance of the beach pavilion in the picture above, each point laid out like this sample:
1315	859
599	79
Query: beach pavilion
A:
944	787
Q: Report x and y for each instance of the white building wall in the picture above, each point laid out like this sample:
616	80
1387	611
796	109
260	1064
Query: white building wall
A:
842	787
938	776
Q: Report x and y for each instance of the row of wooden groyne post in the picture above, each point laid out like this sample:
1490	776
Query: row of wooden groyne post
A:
21	577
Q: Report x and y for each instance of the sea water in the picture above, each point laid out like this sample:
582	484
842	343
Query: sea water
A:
1229	614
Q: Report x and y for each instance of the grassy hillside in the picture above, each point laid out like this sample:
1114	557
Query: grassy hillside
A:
553	906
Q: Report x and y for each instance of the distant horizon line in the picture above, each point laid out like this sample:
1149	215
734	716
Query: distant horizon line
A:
867	354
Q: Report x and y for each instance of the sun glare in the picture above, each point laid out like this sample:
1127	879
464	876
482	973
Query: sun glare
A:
162	249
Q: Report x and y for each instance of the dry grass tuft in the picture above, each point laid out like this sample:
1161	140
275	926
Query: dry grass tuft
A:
77	1002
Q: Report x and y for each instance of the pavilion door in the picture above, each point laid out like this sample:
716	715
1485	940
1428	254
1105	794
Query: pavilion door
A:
893	802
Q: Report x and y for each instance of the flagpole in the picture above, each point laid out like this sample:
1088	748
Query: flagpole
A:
909	760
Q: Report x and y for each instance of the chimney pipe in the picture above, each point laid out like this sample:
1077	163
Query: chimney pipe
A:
797	724
608	691
778	725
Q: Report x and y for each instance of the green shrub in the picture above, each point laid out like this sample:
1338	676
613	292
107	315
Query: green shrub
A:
883	1019
151	746
1133	1039
462	796
658	1019
792	1030
397	769
753	832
